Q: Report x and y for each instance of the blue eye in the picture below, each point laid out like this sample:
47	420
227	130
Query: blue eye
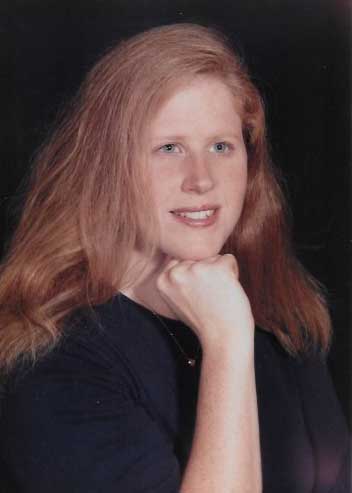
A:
169	148
221	147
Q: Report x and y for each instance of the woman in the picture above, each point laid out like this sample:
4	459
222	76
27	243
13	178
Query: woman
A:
153	236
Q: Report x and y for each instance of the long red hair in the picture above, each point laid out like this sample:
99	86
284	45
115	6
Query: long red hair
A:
89	197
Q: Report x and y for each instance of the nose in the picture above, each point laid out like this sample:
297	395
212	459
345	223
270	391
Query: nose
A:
197	176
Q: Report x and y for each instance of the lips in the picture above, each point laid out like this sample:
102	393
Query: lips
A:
199	222
205	207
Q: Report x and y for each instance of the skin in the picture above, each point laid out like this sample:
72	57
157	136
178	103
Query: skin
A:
188	280
196	155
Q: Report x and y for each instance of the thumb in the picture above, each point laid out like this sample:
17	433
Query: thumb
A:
168	262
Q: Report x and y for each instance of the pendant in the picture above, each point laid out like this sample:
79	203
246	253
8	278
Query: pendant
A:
191	362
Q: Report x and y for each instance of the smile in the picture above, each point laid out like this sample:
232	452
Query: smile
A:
197	219
196	215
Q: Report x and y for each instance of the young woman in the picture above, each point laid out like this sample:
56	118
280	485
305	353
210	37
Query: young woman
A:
152	241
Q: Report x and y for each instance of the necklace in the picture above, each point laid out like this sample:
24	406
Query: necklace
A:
190	361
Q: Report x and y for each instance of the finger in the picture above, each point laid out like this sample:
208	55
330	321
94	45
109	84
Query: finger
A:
168	263
213	258
168	259
180	264
228	257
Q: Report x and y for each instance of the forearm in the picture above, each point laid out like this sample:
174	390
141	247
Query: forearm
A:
225	454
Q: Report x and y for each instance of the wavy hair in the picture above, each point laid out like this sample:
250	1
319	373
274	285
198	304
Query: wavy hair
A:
89	197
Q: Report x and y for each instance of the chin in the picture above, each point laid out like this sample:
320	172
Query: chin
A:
193	252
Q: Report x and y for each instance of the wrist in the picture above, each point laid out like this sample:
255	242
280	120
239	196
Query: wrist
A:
229	350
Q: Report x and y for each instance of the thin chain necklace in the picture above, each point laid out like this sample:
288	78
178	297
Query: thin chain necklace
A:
190	361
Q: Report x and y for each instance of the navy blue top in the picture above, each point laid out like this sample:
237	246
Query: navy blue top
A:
112	408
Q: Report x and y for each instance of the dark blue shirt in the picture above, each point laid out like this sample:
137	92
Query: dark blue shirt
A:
112	409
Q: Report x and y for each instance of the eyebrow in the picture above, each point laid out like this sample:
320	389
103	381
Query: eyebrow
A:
216	137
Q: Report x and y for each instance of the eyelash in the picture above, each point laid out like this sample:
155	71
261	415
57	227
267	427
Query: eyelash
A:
229	147
166	145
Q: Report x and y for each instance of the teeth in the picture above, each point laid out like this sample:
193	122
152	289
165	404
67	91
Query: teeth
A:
196	215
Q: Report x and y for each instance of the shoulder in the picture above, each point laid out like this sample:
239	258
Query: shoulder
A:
112	354
79	421
85	346
106	338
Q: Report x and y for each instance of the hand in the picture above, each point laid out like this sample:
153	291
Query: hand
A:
208	297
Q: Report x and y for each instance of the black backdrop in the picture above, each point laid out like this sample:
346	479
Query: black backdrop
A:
298	52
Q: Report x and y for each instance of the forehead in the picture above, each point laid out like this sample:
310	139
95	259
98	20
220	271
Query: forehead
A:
200	102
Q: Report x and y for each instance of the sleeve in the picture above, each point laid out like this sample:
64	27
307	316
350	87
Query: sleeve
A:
77	424
327	426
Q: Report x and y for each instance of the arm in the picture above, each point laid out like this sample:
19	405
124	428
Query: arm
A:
209	298
225	455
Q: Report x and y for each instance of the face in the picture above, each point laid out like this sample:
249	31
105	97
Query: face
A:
197	160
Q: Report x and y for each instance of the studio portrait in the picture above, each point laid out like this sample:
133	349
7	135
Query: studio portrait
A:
174	273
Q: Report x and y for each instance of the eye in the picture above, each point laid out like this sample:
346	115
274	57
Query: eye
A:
170	148
222	147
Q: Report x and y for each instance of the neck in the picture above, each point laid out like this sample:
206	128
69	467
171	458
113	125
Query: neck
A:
144	290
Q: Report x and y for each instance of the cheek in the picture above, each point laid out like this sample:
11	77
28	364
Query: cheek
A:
236	185
164	182
161	196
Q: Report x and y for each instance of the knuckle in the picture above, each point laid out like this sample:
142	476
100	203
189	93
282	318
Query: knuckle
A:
175	274
232	263
198	268
160	282
229	256
231	259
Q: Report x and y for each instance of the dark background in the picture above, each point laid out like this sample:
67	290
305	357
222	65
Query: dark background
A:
298	52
